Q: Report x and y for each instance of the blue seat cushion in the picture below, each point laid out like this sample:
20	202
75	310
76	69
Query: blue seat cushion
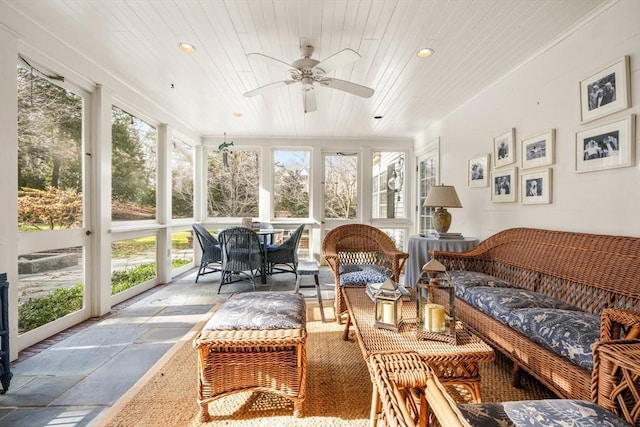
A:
259	311
500	302
463	280
569	333
361	274
548	413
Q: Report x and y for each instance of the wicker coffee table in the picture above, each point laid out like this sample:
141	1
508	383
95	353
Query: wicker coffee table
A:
453	364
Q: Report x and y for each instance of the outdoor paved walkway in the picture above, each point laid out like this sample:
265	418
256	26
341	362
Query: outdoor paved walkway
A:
70	379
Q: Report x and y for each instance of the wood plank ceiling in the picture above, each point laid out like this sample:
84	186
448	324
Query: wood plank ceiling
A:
475	43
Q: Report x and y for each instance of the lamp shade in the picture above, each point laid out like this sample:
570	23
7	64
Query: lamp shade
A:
442	196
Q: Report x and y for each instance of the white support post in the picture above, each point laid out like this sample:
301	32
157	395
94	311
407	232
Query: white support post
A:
163	203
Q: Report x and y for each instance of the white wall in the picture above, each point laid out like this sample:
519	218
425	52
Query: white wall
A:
542	94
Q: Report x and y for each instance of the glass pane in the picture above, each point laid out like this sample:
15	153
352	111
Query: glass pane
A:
182	180
398	235
291	184
133	167
181	248
428	173
50	286
133	262
388	196
340	186
49	155
233	183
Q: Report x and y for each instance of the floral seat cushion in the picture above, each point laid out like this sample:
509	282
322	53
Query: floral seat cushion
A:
548	413
464	280
259	311
361	274
499	303
569	333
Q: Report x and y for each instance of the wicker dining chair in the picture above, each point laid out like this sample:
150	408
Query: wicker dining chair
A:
211	260
283	258
359	254
242	255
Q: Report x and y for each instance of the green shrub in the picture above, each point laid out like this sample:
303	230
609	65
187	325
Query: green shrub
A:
40	311
125	279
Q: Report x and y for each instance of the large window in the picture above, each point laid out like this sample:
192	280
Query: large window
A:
50	151
388	198
181	180
233	183
133	167
340	186
291	184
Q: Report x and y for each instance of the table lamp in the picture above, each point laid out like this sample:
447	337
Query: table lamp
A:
441	197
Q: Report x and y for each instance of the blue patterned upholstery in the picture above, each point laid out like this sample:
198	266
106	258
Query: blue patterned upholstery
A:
258	311
569	333
361	274
499	303
548	413
464	280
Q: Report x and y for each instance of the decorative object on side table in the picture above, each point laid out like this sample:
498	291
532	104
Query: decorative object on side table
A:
435	302
441	197
388	306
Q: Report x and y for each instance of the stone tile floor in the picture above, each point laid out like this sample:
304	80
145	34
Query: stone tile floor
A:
70	379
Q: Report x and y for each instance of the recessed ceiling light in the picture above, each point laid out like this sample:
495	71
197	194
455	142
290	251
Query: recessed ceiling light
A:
238	114
186	47
423	53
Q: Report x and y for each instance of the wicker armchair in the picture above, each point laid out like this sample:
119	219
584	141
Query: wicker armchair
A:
283	258
357	254
211	260
242	255
410	394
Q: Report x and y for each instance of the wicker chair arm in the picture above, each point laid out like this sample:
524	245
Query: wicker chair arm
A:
617	324
615	379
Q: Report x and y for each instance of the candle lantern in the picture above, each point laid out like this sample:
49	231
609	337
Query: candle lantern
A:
388	306
435	302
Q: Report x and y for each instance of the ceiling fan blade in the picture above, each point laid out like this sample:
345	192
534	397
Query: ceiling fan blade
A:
261	89
272	61
309	100
354	88
337	60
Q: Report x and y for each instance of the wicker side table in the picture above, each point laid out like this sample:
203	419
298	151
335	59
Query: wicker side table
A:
255	341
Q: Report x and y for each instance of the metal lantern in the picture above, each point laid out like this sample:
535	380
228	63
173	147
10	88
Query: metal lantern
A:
388	306
435	301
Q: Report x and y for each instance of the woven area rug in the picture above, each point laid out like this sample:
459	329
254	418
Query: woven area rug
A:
338	388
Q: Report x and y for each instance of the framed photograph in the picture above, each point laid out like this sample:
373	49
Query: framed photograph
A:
536	187
504	149
504	187
605	92
479	171
607	146
537	150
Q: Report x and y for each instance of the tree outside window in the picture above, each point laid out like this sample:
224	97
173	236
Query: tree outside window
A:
233	186
133	167
291	184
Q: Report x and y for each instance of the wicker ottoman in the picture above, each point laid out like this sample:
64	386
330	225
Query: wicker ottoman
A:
255	341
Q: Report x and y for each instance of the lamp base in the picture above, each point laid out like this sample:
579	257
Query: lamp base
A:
441	220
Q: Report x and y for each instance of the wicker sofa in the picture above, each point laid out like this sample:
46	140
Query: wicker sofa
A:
538	297
359	254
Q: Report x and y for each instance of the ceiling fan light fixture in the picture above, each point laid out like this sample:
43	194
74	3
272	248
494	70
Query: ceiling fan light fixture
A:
425	52
186	47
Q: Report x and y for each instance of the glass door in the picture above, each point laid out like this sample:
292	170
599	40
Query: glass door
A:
52	206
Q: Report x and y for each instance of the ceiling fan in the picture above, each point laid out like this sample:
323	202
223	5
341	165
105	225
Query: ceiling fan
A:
308	71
